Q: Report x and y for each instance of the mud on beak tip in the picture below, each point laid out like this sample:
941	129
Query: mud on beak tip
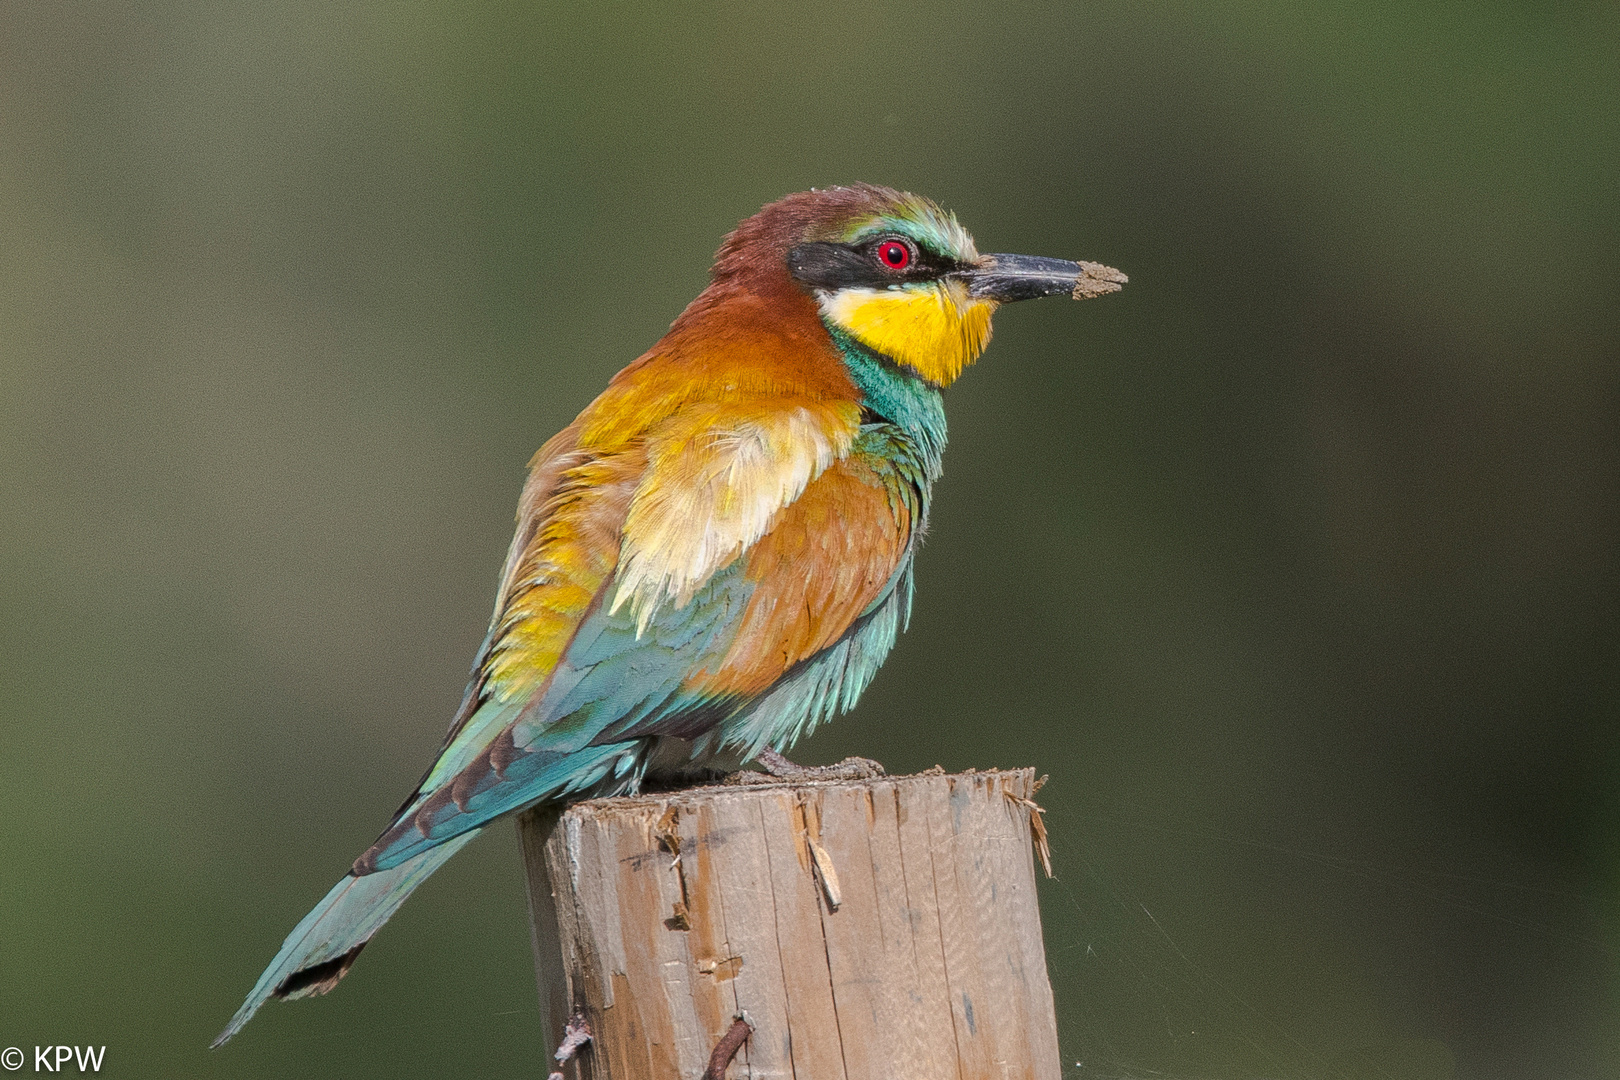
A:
1097	280
1009	278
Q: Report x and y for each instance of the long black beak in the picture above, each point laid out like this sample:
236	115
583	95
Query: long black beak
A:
1005	278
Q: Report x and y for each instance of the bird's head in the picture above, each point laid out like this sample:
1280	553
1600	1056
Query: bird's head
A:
897	273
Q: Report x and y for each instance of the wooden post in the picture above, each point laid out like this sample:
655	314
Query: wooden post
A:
873	930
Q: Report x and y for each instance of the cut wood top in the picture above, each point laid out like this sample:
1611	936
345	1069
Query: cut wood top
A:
873	928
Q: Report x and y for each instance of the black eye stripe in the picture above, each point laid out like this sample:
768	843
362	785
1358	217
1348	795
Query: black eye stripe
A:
825	265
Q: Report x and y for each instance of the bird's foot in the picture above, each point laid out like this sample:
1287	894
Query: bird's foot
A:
779	770
851	768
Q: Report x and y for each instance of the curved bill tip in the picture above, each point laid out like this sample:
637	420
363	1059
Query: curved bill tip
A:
1007	278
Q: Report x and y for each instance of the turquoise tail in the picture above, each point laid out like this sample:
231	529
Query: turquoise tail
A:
320	949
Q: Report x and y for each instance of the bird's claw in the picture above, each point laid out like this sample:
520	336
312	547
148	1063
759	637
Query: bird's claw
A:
779	770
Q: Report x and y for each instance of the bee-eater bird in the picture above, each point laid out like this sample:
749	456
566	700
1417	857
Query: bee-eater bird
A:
716	555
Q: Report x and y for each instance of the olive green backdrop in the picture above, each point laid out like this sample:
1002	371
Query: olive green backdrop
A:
1295	564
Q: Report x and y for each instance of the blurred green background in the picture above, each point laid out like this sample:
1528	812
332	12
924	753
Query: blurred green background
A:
1295	565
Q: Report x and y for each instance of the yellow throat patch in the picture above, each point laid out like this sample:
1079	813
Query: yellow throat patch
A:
934	328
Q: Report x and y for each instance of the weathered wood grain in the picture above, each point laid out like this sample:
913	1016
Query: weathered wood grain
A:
661	918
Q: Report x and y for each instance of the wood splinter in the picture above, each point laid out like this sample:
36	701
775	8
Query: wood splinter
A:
727	1047
826	873
1037	824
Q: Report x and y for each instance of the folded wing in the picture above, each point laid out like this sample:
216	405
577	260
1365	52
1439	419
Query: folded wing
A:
664	590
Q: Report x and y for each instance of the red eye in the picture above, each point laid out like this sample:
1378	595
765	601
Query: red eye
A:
894	254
